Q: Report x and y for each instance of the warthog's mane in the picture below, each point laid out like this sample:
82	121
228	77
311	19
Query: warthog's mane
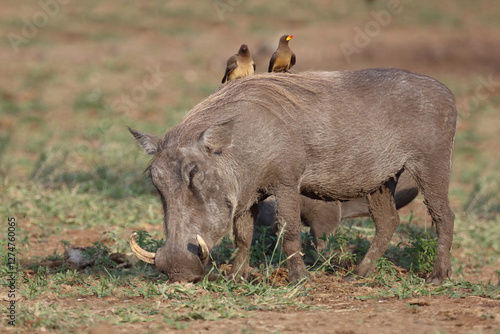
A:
285	94
277	93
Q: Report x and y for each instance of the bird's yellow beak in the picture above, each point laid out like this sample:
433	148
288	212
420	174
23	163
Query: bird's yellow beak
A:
289	37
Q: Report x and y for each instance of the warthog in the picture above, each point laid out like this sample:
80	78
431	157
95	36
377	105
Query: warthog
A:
324	218
327	135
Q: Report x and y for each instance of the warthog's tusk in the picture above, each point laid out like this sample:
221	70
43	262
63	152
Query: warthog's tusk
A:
204	248
141	254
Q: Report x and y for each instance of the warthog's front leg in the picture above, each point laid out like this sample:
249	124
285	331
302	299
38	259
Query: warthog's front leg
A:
288	213
243	233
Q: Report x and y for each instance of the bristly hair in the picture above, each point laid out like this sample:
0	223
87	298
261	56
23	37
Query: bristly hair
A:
148	169
279	94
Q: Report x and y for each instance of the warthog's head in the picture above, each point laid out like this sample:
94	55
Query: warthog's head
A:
198	196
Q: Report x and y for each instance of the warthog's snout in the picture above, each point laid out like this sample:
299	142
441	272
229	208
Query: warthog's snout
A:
192	268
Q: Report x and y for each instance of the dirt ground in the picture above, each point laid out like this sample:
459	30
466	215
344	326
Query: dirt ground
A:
431	50
342	314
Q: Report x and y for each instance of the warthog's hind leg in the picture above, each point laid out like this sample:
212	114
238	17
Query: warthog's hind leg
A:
444	222
435	192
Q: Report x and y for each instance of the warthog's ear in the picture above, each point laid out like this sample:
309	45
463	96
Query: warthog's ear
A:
148	142
218	136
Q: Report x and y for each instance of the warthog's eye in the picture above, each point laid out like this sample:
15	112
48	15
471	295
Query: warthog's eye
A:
229	205
192	172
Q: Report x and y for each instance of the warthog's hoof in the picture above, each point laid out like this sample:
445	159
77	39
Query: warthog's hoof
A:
239	275
437	276
350	278
364	269
295	276
213	276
